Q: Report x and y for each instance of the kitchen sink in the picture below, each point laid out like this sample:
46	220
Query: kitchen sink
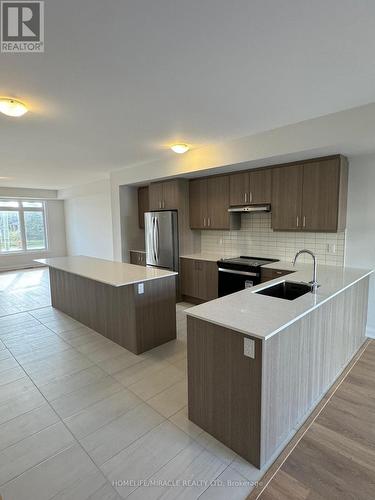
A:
288	290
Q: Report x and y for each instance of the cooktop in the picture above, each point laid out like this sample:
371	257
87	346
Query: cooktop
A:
244	260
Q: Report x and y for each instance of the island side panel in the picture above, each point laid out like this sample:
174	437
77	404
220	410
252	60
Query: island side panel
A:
301	363
155	312
136	321
224	387
106	309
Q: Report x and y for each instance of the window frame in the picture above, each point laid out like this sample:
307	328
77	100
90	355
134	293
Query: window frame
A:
21	210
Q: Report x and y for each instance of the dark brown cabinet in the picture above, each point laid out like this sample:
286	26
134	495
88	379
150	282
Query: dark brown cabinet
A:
250	187
310	196
137	257
287	198
164	195
267	274
323	197
198	203
199	279
143	205
209	203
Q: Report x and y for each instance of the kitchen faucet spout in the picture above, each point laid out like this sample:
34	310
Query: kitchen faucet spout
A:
314	283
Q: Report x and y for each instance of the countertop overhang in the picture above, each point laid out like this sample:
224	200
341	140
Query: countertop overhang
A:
262	316
106	271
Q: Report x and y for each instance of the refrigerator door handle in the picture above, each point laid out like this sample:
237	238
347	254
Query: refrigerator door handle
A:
157	239
154	238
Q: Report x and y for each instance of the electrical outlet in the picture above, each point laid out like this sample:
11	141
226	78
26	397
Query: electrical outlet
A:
141	288
249	347
331	248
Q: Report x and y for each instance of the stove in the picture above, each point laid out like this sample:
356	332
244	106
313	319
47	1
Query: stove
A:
238	273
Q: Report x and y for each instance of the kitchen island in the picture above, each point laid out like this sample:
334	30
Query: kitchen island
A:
258	365
131	305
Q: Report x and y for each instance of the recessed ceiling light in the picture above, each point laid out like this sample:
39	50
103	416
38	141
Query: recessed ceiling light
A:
11	107
180	148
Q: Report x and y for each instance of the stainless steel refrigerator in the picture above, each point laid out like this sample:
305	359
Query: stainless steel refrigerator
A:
161	234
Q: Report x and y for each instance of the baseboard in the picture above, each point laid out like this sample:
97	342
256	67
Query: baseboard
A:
4	269
370	332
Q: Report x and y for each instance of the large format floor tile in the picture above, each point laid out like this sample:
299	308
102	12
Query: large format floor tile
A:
145	456
73	403
78	412
190	473
109	440
157	382
101	413
21	456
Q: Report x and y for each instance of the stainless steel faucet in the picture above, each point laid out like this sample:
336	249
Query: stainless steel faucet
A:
314	284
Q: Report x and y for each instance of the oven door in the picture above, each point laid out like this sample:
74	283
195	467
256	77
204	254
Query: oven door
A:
231	281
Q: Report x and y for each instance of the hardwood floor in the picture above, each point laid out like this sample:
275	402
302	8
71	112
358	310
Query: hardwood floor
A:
335	459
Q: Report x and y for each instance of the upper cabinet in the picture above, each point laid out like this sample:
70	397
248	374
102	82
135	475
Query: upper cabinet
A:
250	187
164	195
310	196
209	203
287	197
143	205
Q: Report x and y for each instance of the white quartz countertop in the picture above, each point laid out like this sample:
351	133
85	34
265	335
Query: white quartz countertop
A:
106	271
262	316
211	257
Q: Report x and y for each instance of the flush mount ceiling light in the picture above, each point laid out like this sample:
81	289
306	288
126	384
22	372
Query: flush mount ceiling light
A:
12	107
179	148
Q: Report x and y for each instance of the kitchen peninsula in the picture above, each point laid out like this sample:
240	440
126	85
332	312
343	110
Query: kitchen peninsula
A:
133	306
259	364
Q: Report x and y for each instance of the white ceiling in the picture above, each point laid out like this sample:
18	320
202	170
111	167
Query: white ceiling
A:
120	80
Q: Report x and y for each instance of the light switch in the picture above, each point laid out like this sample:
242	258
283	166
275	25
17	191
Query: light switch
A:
141	288
249	347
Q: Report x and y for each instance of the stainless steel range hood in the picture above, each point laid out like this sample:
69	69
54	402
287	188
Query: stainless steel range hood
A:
250	208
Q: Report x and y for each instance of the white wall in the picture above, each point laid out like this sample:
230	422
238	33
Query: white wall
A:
360	242
88	220
347	132
55	222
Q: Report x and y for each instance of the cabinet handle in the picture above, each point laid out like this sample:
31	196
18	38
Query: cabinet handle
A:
163	203
159	203
245	197
304	221
297	221
204	221
251	196
208	222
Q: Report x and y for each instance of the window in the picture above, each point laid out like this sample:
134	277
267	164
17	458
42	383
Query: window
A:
22	226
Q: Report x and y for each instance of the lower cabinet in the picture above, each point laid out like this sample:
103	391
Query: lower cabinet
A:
268	274
138	258
199	279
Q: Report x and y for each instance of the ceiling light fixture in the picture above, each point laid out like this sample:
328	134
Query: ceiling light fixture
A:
11	107
180	148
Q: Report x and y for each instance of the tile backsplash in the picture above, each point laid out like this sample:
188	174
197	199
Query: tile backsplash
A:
257	239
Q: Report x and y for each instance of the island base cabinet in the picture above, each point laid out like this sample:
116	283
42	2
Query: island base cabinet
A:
135	318
224	387
255	404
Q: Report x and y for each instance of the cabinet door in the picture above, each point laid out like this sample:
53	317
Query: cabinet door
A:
287	198
239	188
156	195
170	199
260	186
218	202
320	201
198	203
143	205
207	280
137	258
188	277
